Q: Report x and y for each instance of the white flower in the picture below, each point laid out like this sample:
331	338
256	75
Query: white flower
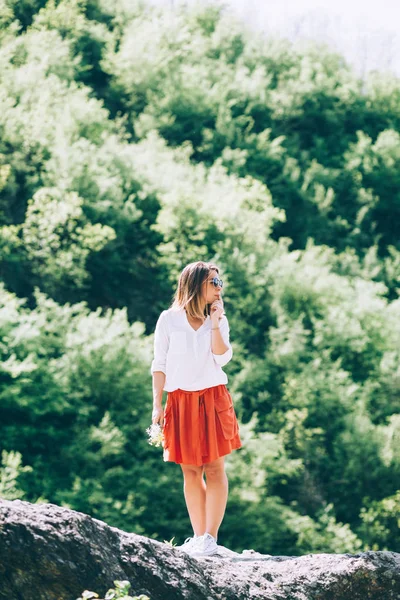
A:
156	434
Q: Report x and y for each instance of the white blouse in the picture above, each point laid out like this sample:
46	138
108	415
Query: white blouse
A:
185	355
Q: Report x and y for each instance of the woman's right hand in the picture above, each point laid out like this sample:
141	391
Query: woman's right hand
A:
158	415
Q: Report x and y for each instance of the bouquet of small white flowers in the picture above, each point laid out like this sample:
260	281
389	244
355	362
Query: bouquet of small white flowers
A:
156	434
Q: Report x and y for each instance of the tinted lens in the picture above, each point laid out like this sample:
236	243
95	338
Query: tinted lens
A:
217	282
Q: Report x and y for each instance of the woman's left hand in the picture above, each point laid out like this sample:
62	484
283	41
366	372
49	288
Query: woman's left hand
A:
216	310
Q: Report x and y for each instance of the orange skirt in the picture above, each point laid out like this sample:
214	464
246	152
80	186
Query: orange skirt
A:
199	426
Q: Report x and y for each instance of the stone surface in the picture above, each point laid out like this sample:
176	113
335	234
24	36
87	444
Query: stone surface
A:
52	553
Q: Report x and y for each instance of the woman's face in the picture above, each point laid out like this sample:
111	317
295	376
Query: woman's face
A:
211	293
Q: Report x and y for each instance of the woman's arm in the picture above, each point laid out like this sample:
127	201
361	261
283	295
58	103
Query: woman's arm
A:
157	415
158	366
158	388
220	345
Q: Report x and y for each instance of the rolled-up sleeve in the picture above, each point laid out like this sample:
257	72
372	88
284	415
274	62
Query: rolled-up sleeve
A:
223	359
161	344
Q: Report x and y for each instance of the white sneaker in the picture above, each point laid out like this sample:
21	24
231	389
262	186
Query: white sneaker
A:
205	545
189	544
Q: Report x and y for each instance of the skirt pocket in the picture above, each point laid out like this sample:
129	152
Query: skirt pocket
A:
226	415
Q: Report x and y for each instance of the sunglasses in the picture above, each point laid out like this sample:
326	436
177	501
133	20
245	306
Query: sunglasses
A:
216	282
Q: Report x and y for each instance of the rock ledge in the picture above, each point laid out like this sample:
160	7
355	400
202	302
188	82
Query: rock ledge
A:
48	552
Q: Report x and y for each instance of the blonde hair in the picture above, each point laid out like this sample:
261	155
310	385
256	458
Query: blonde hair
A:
189	291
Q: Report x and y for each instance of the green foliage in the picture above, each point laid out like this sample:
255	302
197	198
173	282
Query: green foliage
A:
285	115
10	469
60	367
58	239
120	592
88	38
135	140
380	523
21	10
260	474
58	144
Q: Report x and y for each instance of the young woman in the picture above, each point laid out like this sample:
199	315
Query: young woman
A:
191	345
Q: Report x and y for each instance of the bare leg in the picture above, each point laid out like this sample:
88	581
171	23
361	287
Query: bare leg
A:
194	489
217	494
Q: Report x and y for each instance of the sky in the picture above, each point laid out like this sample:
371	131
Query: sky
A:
366	32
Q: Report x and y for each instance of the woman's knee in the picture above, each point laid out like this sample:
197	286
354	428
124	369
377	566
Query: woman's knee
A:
215	469
191	472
